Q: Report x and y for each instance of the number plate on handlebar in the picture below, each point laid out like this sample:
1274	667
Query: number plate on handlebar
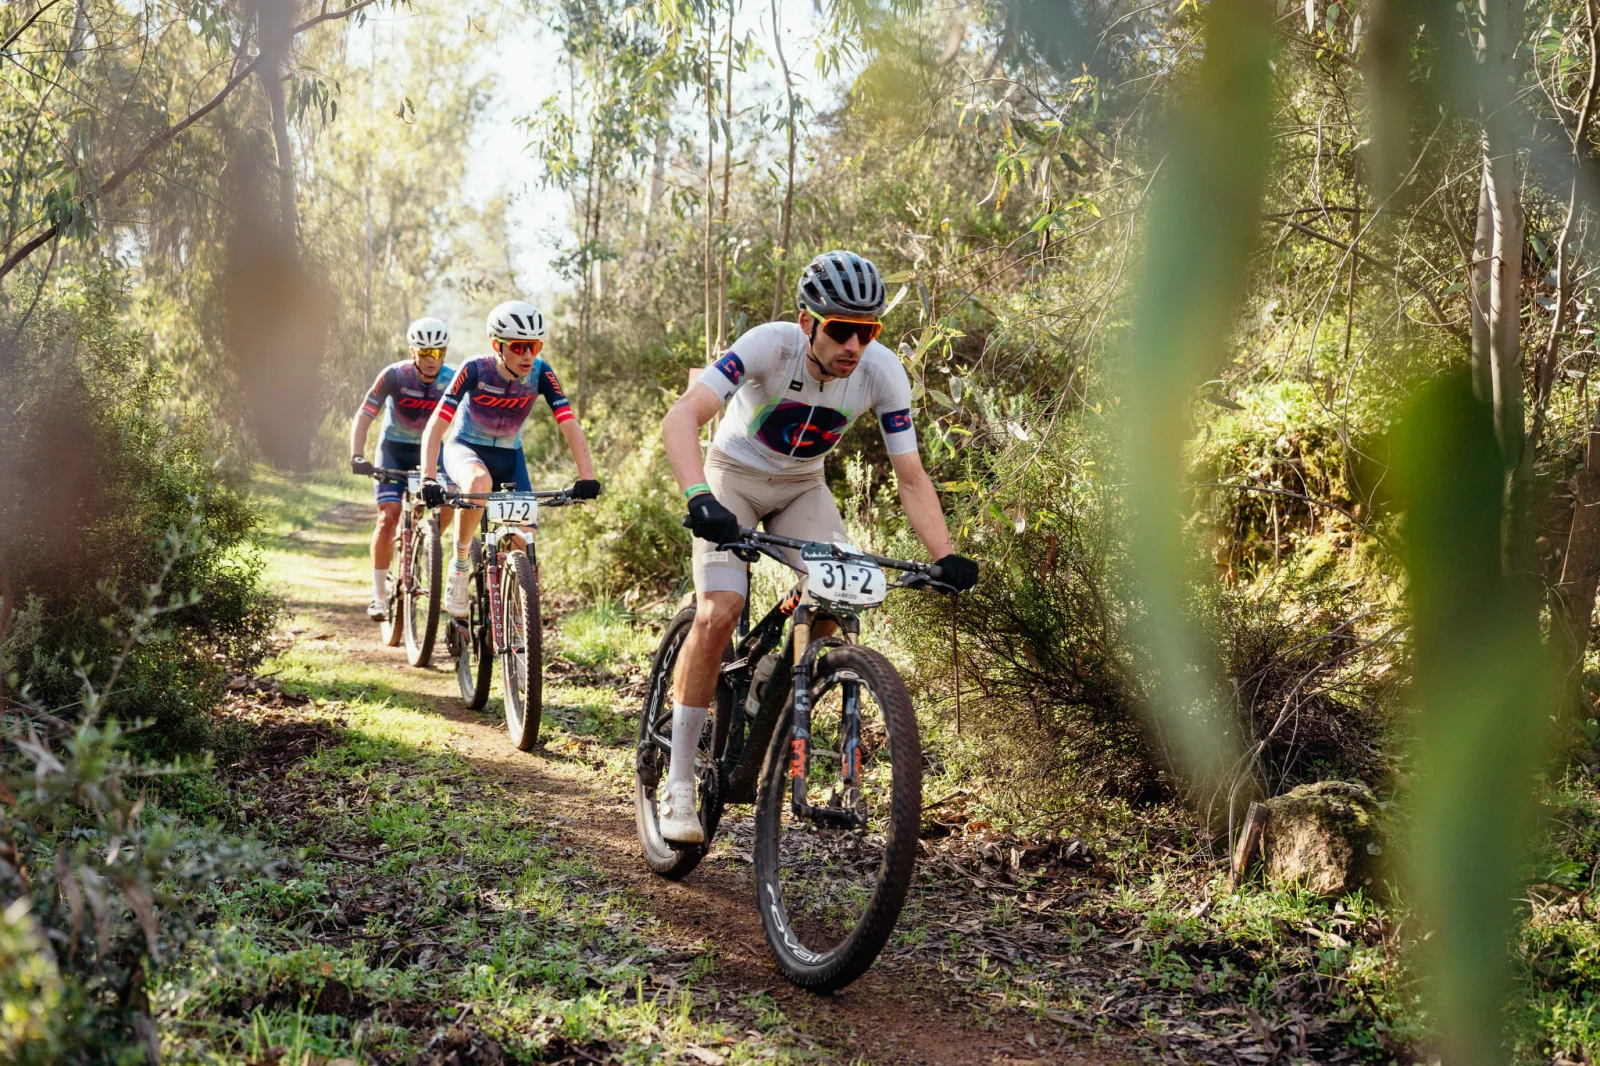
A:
514	511
843	580
414	483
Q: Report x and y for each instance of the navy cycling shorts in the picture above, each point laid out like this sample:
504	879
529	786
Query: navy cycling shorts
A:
397	455
505	465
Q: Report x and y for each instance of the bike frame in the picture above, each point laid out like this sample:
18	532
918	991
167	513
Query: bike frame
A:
740	747
491	534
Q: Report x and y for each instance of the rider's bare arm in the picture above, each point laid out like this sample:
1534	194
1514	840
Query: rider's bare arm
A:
432	437
680	433
578	444
358	432
921	504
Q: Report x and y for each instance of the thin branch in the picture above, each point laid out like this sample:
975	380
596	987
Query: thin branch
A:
162	139
29	21
1381	264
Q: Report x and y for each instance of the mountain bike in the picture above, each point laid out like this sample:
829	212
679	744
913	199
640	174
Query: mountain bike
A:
817	732
503	621
415	586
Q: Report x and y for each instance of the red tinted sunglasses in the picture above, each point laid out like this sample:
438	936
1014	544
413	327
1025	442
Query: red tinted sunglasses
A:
521	347
840	330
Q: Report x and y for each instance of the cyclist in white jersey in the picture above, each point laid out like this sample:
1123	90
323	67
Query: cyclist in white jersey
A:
792	390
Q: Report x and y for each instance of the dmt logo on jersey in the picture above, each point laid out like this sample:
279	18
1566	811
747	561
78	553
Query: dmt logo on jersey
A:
413	403
512	402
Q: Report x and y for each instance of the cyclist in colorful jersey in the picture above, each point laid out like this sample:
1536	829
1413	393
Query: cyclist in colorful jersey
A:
792	390
407	393
487	403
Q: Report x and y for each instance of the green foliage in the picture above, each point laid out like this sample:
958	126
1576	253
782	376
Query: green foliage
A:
631	539
102	473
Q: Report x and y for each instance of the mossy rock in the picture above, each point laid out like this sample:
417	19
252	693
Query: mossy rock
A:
1326	837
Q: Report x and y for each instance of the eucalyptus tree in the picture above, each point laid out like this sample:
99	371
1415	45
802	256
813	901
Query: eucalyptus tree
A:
594	139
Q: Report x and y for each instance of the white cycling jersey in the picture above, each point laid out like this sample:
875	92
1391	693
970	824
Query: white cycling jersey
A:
784	421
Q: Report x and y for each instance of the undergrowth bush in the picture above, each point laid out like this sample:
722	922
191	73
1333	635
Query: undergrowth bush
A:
1051	686
631	541
102	467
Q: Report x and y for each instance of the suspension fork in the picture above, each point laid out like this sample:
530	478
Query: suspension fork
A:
800	743
406	540
491	564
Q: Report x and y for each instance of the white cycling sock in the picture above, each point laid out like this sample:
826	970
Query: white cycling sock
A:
687	722
463	553
380	586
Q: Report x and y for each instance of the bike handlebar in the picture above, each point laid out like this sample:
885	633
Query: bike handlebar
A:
922	574
379	473
546	497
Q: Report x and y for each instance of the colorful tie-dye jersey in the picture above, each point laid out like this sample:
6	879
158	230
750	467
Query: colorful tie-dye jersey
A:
491	409
407	401
782	420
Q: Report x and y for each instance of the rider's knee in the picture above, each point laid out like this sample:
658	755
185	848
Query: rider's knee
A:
388	517
481	481
718	613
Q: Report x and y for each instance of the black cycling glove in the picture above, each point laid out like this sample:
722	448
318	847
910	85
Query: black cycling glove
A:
584	489
712	521
957	571
432	492
359	464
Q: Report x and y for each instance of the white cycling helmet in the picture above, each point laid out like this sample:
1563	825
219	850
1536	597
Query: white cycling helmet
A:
428	333
516	320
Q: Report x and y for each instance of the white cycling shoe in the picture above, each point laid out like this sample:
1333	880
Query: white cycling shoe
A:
680	822
457	594
378	611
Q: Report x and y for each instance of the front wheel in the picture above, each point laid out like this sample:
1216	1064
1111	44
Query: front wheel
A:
522	661
473	642
651	756
423	592
828	896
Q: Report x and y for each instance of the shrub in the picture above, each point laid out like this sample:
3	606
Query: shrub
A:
102	468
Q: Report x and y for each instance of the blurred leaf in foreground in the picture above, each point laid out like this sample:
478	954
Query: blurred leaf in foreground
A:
1204	219
1484	690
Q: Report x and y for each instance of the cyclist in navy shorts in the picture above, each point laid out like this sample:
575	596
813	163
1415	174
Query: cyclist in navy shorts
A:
407	392
483	411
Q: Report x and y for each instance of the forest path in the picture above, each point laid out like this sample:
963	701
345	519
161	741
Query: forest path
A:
906	1010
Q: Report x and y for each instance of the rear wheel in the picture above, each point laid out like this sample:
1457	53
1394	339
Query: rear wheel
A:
829	896
474	657
652	754
392	629
522	663
424	591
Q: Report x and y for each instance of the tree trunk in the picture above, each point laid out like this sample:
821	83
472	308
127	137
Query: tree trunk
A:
788	192
1502	28
1572	599
727	181
272	22
1574	595
1478	273
710	192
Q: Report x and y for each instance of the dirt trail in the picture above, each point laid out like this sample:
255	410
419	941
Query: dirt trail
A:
918	1016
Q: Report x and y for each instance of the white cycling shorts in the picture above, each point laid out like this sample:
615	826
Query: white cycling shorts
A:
788	505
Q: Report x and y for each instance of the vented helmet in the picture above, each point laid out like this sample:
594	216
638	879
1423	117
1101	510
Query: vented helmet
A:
516	320
842	283
428	333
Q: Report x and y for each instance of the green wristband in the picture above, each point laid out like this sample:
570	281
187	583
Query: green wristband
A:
694	490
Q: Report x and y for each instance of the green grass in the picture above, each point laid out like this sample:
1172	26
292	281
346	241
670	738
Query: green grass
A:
608	637
403	879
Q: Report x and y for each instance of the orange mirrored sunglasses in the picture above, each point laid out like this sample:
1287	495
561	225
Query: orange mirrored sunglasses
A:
521	347
840	330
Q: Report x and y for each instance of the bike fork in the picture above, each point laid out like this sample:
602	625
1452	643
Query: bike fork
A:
800	745
497	623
